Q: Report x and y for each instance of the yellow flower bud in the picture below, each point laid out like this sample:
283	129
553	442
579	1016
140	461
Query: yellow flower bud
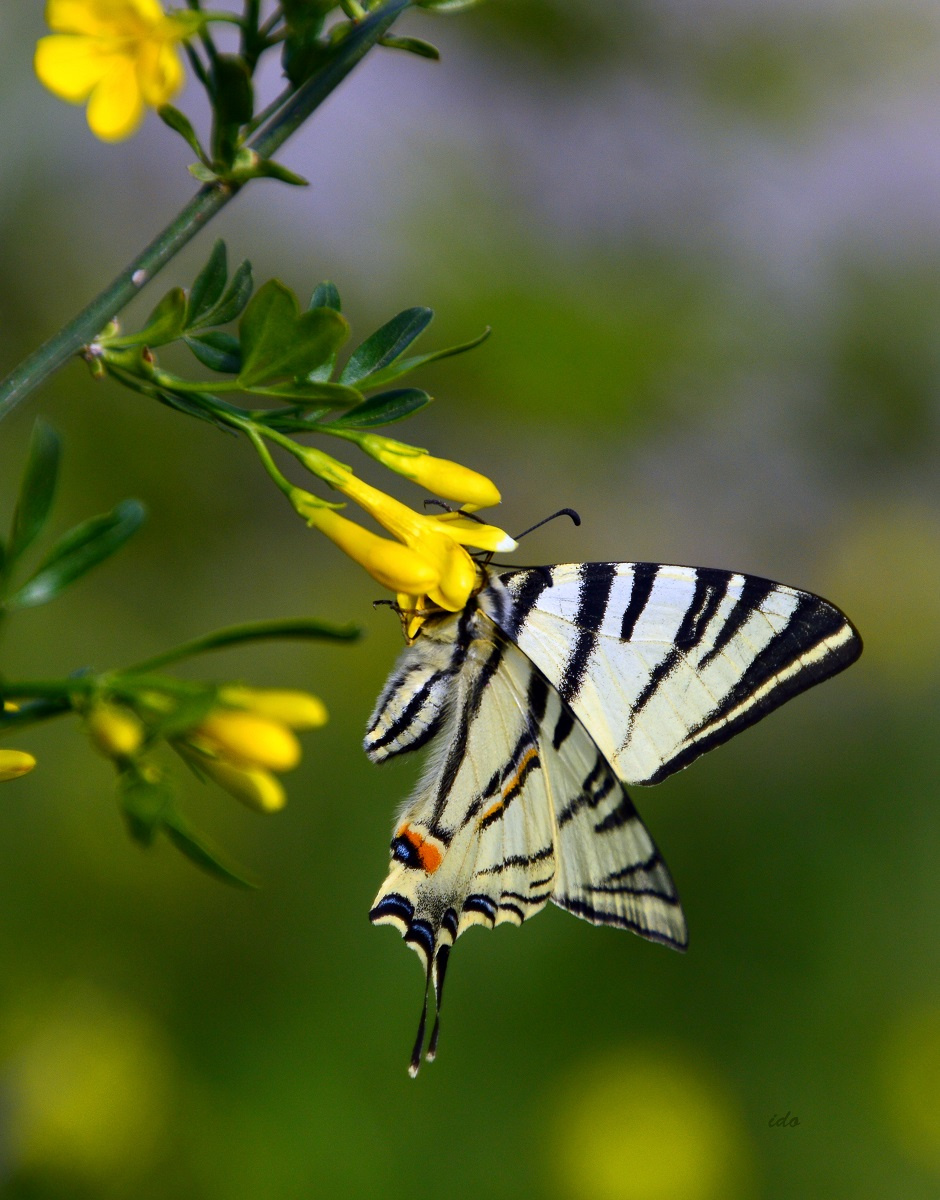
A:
391	564
438	475
297	709
14	763
247	740
474	533
456	573
114	731
253	786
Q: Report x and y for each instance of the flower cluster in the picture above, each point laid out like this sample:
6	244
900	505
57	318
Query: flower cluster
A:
427	565
249	737
14	763
240	742
118	55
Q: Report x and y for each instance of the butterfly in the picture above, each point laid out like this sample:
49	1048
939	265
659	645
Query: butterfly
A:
553	689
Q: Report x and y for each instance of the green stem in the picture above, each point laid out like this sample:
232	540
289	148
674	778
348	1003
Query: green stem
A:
208	201
266	460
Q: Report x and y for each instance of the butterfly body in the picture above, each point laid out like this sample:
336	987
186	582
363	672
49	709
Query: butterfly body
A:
548	693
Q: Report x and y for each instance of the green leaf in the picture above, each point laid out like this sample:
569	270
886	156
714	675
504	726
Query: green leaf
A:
384	409
165	323
299	418
267	168
217	350
77	552
37	489
412	45
304	53
208	285
144	804
280	342
198	851
386	344
182	125
337	394
233	104
188	403
233	302
404	365
298	628
326	295
446	6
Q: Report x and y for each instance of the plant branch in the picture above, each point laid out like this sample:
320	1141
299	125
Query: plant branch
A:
208	201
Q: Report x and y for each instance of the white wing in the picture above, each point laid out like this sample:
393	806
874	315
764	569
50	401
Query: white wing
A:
516	806
662	663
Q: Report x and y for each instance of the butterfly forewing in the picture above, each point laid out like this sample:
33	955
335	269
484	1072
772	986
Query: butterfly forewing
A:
661	662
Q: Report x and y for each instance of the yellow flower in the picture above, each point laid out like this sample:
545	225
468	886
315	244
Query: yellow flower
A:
298	710
255	787
437	541
438	475
246	740
114	730
391	564
240	745
14	763
119	55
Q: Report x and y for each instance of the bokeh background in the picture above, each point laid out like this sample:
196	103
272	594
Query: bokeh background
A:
707	237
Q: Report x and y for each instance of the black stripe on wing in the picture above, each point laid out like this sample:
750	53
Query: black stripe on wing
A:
709	591
679	940
644	576
817	642
596	582
528	585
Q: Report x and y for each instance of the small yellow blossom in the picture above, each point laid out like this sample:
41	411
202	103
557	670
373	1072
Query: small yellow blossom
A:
437	540
119	55
14	763
246	740
296	709
115	731
239	749
439	475
391	564
255	787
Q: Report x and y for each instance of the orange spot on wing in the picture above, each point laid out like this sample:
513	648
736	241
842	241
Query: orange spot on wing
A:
428	854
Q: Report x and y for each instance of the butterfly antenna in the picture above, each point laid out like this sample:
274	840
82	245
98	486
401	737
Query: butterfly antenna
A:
415	1065
562	512
440	968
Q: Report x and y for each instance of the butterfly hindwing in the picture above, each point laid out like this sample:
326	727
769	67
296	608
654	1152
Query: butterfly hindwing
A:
516	806
663	663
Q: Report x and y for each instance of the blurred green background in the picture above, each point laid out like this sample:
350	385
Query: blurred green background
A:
708	239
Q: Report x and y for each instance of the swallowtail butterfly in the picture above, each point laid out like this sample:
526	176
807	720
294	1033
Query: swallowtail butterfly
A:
553	689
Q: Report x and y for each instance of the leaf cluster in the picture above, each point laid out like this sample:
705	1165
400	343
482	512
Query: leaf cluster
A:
283	354
75	552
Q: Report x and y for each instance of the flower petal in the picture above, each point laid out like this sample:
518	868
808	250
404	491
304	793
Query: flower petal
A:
296	709
247	740
116	105
70	67
79	16
14	763
159	72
